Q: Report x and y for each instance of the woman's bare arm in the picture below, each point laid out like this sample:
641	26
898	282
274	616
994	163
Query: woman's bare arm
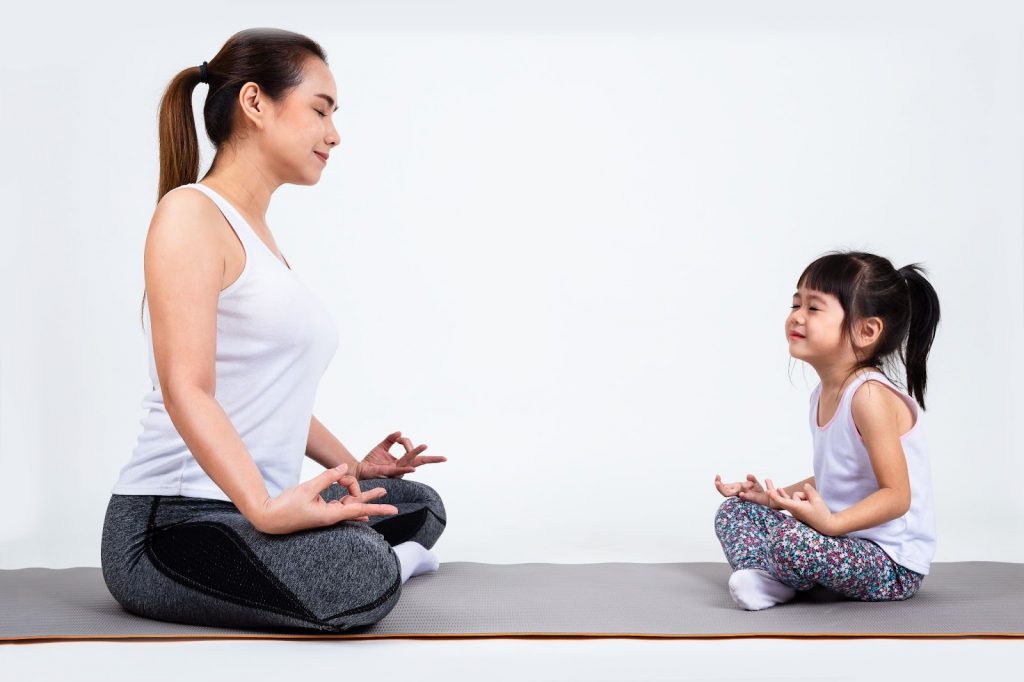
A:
324	448
184	270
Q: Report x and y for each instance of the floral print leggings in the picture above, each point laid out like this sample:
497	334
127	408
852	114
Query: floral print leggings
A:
755	536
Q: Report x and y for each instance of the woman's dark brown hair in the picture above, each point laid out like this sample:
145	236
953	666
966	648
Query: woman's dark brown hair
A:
272	58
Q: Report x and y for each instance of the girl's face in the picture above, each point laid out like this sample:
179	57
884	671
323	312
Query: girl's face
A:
300	131
814	326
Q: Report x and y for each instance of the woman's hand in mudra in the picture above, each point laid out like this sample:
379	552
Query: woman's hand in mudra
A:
301	506
380	463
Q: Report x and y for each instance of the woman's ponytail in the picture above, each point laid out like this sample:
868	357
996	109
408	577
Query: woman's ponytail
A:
924	319
179	140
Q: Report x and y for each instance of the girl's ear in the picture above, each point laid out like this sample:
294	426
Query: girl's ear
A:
867	331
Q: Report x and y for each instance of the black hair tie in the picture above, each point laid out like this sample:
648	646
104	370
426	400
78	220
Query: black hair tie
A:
204	76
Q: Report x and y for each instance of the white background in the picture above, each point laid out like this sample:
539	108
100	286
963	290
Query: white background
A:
560	239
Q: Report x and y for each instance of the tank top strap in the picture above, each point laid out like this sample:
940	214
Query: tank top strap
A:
881	378
239	224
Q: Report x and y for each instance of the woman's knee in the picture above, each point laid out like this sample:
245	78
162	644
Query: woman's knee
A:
369	587
421	514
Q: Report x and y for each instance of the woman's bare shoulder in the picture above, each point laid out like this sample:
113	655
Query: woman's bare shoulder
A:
186	237
186	220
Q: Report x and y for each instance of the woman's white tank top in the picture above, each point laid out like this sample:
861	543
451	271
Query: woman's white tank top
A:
843	476
274	342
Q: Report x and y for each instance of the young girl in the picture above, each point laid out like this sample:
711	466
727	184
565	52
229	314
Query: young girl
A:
862	525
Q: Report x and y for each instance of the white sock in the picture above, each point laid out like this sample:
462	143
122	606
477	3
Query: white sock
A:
414	559
754	589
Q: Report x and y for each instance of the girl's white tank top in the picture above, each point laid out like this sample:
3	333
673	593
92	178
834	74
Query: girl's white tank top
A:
274	342
843	476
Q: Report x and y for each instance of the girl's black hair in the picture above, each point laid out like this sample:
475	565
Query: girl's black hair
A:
867	285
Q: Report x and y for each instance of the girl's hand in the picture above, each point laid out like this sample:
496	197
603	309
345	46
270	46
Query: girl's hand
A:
380	463
301	506
728	489
806	506
749	490
753	492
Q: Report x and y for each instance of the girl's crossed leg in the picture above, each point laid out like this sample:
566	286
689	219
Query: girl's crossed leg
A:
755	536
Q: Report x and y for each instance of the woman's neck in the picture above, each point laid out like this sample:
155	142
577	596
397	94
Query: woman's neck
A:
242	184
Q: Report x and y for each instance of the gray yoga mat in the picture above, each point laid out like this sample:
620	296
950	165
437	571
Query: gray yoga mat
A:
680	600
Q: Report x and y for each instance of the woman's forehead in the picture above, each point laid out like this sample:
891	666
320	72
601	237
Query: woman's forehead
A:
317	78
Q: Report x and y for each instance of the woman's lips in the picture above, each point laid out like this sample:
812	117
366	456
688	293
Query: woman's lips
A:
321	157
794	335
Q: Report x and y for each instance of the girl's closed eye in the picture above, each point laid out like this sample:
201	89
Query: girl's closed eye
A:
320	112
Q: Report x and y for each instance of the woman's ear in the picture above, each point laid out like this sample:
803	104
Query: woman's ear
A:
253	104
867	331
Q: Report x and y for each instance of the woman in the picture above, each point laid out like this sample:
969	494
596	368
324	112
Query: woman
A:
208	523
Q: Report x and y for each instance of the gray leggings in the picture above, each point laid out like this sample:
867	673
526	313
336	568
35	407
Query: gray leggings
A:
199	561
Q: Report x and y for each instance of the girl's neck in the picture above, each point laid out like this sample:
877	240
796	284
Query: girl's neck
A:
834	378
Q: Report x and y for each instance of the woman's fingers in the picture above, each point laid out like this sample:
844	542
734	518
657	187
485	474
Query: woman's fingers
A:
350	483
373	494
432	459
365	496
350	512
326	479
390	440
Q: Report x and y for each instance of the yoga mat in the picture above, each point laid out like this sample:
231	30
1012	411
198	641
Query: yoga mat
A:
463	599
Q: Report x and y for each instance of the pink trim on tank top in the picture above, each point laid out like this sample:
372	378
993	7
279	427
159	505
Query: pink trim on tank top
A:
817	404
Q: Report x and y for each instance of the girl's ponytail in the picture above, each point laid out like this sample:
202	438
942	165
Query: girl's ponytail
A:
924	319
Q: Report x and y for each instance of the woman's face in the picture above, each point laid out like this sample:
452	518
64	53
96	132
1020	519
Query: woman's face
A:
301	132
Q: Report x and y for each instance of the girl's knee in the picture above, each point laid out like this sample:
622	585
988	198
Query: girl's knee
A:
786	542
727	513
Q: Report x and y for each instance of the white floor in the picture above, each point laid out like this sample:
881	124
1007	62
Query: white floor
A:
520	660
